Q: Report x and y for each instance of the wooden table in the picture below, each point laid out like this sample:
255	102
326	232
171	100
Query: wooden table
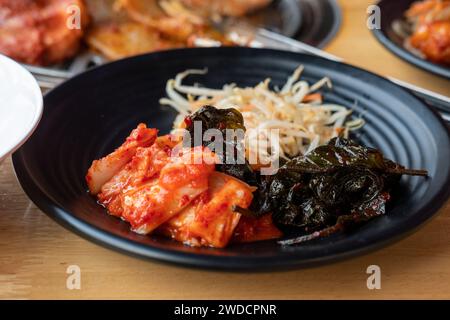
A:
35	252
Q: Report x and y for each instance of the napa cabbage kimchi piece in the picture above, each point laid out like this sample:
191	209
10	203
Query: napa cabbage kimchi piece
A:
154	185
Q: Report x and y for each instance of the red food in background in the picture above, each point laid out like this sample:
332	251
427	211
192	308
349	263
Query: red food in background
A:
36	31
431	25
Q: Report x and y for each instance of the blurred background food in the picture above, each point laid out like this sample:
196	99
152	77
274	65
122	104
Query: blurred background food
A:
430	23
35	31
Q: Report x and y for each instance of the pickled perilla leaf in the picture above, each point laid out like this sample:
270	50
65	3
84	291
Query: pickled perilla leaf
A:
233	151
335	185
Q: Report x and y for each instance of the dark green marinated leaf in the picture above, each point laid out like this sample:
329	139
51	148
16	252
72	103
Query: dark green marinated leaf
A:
223	119
331	187
213	118
360	214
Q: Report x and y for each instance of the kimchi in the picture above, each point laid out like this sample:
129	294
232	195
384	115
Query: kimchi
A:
178	193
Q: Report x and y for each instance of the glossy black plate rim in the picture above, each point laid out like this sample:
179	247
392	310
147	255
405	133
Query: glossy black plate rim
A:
261	263
407	56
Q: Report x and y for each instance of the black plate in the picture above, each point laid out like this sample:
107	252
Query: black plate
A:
321	20
393	12
282	16
89	115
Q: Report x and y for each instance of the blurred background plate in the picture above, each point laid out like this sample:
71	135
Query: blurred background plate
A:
321	20
282	16
90	115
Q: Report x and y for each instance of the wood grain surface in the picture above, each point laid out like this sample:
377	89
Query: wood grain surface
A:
35	251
